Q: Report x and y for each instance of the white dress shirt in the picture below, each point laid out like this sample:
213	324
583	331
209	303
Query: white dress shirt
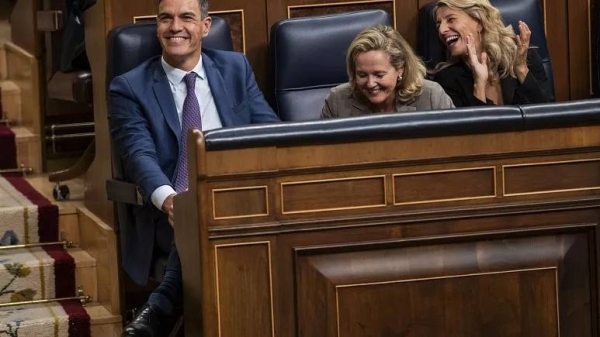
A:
208	110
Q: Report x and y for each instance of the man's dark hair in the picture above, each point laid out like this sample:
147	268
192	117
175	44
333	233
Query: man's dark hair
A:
203	4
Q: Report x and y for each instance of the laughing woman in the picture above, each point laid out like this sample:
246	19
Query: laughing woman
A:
487	64
384	75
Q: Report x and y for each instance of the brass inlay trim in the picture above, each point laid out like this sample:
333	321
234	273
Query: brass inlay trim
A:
143	17
504	167
216	190
227	245
333	4
305	182
82	298
493	168
337	287
243	16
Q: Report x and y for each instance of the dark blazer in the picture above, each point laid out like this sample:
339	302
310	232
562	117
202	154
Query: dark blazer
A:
341	102
145	132
457	80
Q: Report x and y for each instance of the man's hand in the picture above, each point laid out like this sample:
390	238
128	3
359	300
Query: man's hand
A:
167	207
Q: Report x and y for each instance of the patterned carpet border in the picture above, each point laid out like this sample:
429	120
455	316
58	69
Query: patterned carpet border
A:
47	212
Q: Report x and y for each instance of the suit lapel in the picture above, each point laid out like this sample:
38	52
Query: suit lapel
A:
218	91
164	96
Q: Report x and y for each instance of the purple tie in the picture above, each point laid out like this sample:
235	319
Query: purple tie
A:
190	119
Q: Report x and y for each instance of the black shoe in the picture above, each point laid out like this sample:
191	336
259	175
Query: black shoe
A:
146	323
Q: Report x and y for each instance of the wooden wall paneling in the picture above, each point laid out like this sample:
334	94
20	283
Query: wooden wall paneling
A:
557	34
24	26
122	12
252	16
96	30
580	48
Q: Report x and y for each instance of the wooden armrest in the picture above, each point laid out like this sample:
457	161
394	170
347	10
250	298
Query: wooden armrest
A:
123	191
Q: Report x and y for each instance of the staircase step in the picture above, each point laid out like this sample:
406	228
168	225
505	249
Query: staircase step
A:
68	221
11	96
28	148
85	272
104	324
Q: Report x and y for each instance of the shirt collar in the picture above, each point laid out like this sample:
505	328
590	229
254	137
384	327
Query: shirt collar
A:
175	75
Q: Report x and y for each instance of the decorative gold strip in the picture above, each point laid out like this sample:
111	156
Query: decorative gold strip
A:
243	16
42	277
493	168
331	4
83	299
337	287
55	325
216	190
282	185
268	243
26	224
143	18
542	164
65	244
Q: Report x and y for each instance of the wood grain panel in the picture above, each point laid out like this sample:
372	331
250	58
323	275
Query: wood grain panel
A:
551	177
333	194
240	202
557	35
467	306
580	48
245	306
340	7
236	21
514	286
461	184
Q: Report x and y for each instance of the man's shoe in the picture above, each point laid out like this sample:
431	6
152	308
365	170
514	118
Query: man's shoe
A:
146	323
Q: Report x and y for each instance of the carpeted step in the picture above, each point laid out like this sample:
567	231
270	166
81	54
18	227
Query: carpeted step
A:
38	273
11	100
28	147
25	215
65	318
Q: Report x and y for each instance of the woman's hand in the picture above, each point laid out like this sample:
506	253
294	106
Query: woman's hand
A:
523	39
478	67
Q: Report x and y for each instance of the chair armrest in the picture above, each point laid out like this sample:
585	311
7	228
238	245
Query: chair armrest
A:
123	191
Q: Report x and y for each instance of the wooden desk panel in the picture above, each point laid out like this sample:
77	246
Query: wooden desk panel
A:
505	244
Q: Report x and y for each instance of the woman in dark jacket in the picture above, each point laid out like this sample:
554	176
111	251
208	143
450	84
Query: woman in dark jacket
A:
487	63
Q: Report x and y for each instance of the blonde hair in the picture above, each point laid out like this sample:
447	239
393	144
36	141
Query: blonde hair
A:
497	39
386	39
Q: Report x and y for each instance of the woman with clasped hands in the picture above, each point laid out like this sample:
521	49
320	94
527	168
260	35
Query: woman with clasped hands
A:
486	62
384	75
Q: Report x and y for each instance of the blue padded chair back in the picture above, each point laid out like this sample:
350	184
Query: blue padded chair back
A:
309	58
130	45
433	52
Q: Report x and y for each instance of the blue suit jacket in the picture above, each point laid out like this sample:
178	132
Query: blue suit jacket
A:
145	133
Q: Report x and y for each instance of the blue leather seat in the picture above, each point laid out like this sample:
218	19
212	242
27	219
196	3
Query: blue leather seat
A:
309	57
433	52
128	46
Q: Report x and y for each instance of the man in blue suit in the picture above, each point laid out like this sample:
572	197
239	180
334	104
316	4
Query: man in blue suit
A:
147	108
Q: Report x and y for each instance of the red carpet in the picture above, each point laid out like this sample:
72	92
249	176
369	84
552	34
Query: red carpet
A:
8	159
